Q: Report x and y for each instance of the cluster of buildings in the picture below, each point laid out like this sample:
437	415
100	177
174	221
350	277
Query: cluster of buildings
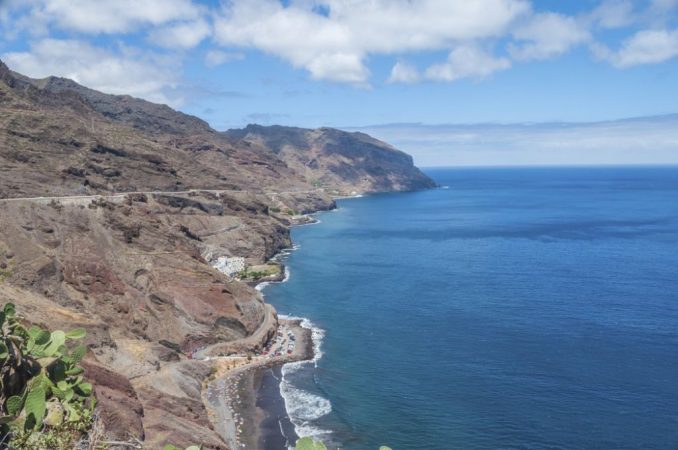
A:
230	265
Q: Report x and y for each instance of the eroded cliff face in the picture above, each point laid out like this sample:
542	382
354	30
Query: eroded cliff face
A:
112	210
133	273
341	162
59	138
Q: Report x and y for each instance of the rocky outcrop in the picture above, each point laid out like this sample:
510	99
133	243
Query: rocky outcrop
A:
336	160
119	407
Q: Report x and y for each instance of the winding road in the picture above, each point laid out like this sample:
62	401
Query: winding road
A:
119	197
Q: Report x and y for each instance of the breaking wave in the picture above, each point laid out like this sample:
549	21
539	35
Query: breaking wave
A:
302	406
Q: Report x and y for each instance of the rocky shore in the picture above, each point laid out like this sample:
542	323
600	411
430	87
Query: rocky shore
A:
231	394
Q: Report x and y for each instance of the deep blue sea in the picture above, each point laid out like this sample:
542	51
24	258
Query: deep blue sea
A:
532	308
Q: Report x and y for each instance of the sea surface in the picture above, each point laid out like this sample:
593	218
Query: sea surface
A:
531	308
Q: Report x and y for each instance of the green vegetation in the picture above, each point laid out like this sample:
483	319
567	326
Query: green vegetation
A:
44	401
287	211
254	275
306	443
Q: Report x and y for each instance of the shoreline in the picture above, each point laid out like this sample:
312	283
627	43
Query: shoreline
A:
276	430
244	396
232	395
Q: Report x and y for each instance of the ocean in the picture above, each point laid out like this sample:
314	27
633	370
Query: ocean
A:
522	308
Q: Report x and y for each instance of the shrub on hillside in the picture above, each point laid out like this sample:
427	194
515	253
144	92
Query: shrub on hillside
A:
44	400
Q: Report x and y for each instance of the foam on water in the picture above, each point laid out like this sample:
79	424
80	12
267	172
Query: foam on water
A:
260	287
303	407
316	221
346	197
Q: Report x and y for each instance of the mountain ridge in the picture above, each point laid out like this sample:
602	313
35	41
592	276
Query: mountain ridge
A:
323	156
337	160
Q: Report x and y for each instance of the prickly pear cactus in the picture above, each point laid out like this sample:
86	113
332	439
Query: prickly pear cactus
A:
41	382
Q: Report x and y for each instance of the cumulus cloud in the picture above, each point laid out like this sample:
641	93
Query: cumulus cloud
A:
333	42
403	72
644	47
467	61
113	72
117	16
546	35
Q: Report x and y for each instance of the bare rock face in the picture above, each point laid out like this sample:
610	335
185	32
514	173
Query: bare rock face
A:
147	298
58	138
177	387
119	406
135	112
339	161
112	210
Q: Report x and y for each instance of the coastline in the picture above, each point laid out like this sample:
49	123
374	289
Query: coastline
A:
244	396
236	408
257	399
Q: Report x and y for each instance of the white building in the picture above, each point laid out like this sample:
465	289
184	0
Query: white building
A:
230	265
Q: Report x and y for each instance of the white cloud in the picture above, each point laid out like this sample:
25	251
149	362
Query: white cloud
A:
184	35
333	40
644	47
334	46
546	35
124	72
613	14
214	58
467	61
339	66
117	16
403	72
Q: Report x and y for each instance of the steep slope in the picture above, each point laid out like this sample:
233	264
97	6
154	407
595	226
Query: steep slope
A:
140	114
59	138
338	161
134	269
131	271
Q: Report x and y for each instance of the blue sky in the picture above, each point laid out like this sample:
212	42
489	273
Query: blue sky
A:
361	63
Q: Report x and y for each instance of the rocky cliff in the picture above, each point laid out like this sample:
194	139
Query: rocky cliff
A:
336	160
111	210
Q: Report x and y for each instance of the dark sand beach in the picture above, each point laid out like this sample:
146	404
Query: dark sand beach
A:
246	407
276	431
